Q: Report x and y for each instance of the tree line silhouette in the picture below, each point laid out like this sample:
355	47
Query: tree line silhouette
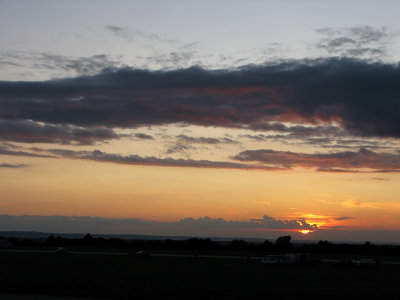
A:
281	245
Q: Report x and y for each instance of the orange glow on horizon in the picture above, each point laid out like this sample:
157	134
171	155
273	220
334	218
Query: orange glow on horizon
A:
304	231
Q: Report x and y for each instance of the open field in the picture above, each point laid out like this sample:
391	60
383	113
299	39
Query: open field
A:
39	297
154	277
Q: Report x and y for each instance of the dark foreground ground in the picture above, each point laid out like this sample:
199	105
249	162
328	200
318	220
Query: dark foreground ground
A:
131	277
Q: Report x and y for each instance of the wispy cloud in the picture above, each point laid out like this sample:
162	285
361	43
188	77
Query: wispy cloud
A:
5	150
351	203
97	155
143	136
184	143
205	140
12	166
346	161
121	32
361	41
58	64
362	160
27	131
343	218
380	179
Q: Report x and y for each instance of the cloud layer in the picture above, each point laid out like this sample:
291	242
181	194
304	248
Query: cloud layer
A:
363	160
360	41
360	96
131	225
97	155
334	162
27	131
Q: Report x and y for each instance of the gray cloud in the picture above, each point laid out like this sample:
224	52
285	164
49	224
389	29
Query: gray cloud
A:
12	166
205	227
388	171
81	65
337	170
257	138
143	136
328	137
5	150
346	161
205	140
343	218
121	32
179	148
107	225
58	63
184	143
128	34
33	132
172	60
360	41
265	222
380	179
97	155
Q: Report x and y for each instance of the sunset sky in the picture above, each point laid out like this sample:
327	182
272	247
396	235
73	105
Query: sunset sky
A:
201	118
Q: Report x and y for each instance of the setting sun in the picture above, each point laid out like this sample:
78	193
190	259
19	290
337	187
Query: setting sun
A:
305	231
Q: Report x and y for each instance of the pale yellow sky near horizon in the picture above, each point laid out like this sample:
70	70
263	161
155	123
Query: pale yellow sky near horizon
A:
59	186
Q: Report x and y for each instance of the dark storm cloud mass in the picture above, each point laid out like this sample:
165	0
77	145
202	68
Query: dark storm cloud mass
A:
83	223
344	161
362	97
32	132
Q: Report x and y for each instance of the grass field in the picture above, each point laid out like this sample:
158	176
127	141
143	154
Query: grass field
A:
129	277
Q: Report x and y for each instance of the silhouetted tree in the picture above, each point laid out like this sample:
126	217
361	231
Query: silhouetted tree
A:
267	245
51	240
324	246
238	245
283	243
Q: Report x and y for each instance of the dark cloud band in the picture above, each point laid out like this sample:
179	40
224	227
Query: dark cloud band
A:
97	155
82	223
345	161
27	131
362	97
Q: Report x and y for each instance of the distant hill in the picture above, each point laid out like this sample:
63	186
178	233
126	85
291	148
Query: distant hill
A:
45	235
